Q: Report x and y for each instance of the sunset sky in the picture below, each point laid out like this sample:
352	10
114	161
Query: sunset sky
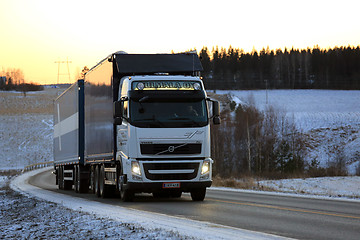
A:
36	33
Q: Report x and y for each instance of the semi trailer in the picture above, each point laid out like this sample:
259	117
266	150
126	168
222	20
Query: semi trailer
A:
136	123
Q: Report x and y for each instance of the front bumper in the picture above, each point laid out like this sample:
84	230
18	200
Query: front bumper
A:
157	186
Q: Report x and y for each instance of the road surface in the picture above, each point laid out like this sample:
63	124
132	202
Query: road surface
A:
295	217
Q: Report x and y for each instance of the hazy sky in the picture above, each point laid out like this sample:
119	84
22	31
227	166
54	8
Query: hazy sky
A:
36	33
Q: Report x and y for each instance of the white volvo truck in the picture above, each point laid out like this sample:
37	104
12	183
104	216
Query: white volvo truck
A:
136	123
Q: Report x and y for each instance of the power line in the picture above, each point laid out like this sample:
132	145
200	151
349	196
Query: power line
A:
68	71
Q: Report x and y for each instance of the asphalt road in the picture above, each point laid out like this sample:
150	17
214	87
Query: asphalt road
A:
295	217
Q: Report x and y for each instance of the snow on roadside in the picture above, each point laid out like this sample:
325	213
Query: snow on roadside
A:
348	187
155	225
3	180
23	217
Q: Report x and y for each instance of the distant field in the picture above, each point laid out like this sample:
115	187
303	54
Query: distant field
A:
26	125
312	109
12	102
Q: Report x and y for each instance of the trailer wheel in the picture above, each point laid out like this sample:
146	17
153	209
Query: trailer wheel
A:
80	184
92	179
64	184
96	181
103	188
76	183
67	183
198	194
60	177
126	195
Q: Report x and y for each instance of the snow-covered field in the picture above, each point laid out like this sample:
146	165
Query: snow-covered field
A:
329	118
25	139
26	125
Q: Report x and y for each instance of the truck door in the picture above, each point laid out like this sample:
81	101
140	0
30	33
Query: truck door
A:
122	136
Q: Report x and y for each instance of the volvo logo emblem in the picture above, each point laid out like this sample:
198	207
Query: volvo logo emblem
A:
171	149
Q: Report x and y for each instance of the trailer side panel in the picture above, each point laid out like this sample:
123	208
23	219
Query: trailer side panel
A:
67	125
99	128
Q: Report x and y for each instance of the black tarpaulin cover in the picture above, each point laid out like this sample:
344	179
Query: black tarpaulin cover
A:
157	63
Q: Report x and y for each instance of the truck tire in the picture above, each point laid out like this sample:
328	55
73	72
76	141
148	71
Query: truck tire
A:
104	189
96	181
60	178
198	194
76	184
92	179
80	183
126	195
65	184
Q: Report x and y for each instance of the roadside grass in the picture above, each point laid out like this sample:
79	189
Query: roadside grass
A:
14	103
246	182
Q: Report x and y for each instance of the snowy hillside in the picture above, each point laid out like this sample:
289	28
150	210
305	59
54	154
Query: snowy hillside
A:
329	118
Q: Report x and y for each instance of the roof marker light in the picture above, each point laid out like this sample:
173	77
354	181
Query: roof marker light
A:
140	86
197	86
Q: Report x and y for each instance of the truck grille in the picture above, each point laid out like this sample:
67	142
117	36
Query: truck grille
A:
169	149
191	168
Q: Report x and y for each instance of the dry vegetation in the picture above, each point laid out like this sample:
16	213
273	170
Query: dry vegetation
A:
241	183
14	103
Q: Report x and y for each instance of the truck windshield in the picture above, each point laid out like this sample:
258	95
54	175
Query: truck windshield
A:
168	114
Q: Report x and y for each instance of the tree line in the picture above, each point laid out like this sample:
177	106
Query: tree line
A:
13	79
316	68
266	143
250	141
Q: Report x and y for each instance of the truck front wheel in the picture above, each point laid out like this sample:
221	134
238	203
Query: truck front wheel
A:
198	194
126	195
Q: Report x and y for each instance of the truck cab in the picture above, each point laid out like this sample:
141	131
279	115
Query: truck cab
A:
163	135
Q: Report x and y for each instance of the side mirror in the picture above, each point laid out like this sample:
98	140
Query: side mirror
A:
216	108
117	109
216	120
215	111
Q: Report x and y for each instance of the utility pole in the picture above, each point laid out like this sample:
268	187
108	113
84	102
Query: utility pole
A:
68	71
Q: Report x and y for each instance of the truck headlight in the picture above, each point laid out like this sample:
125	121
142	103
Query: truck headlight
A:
205	169
135	168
